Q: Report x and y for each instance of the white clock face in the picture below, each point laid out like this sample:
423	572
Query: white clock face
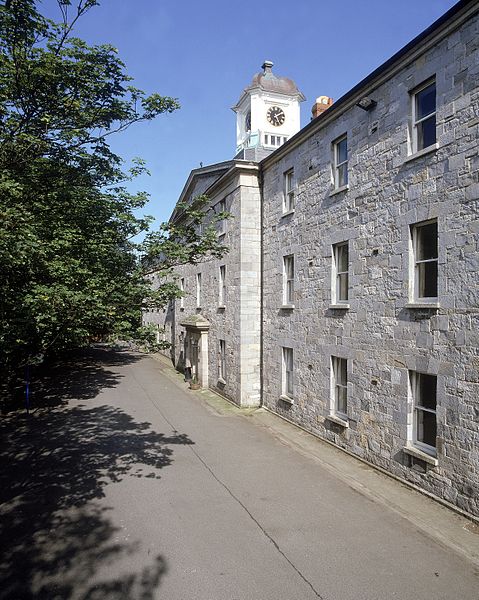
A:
275	116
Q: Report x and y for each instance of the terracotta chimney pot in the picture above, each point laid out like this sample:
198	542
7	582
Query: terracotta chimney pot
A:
322	103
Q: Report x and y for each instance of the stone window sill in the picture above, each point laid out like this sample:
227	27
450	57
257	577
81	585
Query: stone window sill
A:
431	305
286	399
287	307
288	213
338	420
428	458
343	188
422	152
343	306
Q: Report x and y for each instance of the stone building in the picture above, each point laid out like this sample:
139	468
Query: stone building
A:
217	323
214	329
349	301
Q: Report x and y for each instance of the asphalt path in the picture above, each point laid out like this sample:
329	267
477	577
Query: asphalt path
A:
120	484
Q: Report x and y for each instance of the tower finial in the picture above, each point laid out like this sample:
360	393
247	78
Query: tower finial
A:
267	66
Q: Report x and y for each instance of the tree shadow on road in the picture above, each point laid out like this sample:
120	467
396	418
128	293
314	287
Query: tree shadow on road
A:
56	462
80	375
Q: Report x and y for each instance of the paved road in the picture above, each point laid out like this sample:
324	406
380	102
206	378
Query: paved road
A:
122	485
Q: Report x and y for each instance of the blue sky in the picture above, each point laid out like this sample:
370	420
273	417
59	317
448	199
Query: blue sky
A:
205	53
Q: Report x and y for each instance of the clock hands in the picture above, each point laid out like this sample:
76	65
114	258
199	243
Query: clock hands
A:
275	116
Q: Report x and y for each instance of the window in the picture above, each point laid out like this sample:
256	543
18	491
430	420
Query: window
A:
423	392
340	162
287	373
340	279
198	290
274	140
288	280
425	260
161	334
288	197
222	286
247	121
339	385
182	289
222	360
221	208
424	117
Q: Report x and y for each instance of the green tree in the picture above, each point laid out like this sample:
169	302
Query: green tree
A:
69	267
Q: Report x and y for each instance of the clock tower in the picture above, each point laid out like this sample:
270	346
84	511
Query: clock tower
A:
267	114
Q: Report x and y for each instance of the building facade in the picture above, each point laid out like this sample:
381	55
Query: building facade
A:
214	330
350	293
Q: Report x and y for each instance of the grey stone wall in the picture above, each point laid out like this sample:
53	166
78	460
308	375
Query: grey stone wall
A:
238	321
380	335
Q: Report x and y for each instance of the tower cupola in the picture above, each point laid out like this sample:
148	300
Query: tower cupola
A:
267	113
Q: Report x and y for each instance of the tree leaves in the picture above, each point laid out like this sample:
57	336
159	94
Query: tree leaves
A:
69	270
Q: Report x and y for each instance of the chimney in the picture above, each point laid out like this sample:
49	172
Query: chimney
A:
267	67
322	103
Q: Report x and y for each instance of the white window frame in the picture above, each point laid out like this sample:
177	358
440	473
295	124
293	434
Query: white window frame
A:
418	408
337	165
288	191
222	223
198	290
222	286
161	335
417	266
288	280
338	386
222	360
287	373
273	140
182	289
337	275
416	123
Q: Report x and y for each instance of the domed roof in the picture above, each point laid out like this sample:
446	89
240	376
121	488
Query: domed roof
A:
269	82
